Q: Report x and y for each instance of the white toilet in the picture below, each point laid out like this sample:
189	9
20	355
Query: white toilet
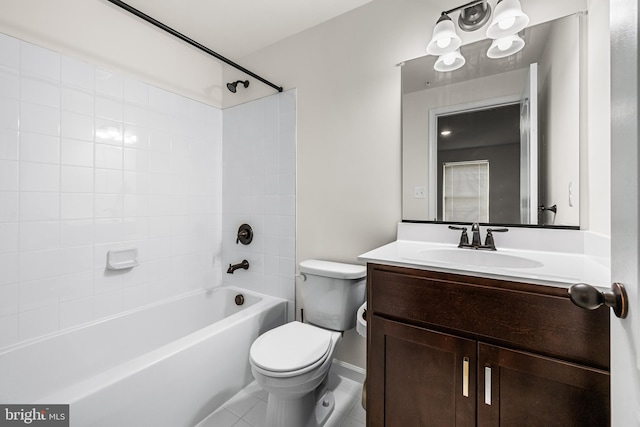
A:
291	362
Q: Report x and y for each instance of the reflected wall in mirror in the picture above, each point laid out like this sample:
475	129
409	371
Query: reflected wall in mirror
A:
530	153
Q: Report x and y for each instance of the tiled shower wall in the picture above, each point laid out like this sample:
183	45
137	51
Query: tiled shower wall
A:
90	161
259	189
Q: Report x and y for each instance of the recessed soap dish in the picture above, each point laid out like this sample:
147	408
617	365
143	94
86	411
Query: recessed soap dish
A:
121	259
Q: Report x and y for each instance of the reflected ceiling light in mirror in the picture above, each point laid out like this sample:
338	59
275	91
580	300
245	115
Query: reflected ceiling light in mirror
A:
506	46
445	39
449	62
508	19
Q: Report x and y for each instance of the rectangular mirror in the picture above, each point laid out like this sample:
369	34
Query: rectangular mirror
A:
498	140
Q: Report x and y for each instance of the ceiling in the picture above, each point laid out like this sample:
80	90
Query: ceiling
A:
237	28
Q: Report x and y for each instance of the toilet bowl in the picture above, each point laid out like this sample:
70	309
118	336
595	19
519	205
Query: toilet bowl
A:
291	362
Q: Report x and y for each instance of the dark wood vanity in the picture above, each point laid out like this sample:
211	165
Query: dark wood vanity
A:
455	350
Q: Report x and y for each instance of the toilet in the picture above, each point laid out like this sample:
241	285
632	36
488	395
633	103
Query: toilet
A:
291	362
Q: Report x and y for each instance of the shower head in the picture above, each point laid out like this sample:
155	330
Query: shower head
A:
232	86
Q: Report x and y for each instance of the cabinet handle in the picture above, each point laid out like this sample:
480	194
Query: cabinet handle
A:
465	377
487	385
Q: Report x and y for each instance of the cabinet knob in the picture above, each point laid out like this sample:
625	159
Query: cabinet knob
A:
591	298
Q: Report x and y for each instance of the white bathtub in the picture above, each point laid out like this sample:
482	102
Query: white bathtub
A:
168	364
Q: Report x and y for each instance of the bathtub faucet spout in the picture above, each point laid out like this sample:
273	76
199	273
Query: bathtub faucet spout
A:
244	265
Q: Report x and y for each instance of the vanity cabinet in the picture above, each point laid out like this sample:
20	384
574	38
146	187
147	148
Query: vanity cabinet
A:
455	350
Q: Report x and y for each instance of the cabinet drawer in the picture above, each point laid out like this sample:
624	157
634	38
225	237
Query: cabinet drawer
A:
535	318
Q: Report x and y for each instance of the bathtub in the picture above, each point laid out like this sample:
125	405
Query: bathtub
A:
167	364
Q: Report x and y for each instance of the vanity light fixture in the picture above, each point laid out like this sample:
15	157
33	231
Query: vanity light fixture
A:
507	21
449	62
505	46
445	39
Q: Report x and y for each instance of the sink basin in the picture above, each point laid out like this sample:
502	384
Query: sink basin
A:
478	258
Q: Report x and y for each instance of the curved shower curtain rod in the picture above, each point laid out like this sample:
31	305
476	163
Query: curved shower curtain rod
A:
192	42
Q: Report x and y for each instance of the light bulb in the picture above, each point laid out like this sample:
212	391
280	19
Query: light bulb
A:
507	23
505	44
442	43
449	59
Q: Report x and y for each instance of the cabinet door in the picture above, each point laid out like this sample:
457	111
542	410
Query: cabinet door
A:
523	389
418	377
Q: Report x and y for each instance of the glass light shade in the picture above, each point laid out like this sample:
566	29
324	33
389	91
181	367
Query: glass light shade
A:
506	46
449	62
508	19
444	39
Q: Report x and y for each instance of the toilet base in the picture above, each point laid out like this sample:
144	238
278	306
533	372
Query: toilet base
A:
306	411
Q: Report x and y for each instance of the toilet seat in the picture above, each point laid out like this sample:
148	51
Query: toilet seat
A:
291	349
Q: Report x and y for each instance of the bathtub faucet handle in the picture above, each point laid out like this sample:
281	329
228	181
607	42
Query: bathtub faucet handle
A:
244	265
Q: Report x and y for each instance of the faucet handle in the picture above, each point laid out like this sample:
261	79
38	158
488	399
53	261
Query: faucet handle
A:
464	238
488	241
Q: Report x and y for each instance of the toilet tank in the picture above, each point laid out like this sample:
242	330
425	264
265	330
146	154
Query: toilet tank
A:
331	293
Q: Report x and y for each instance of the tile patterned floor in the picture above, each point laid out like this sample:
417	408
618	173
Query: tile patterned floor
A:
248	407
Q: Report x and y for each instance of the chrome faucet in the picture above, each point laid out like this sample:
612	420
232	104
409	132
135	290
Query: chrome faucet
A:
244	265
476	240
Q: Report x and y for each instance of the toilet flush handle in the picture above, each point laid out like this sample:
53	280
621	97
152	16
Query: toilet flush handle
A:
302	276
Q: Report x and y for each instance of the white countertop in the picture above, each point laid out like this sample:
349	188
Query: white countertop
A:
546	267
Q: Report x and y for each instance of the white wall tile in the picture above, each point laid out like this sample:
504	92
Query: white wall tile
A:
8	175
39	119
39	265
40	62
9	113
39	148
37	235
76	153
76	181
108	156
38	294
35	323
77	286
77	74
76	126
40	92
109	109
9	144
9	52
9	237
76	232
9	299
109	84
76	312
39	177
109	181
76	260
136	137
9	269
136	92
108	131
75	206
38	206
108	206
77	100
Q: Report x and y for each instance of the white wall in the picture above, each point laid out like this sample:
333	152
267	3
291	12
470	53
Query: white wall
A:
90	161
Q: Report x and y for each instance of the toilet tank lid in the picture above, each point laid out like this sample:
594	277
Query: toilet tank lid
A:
336	270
